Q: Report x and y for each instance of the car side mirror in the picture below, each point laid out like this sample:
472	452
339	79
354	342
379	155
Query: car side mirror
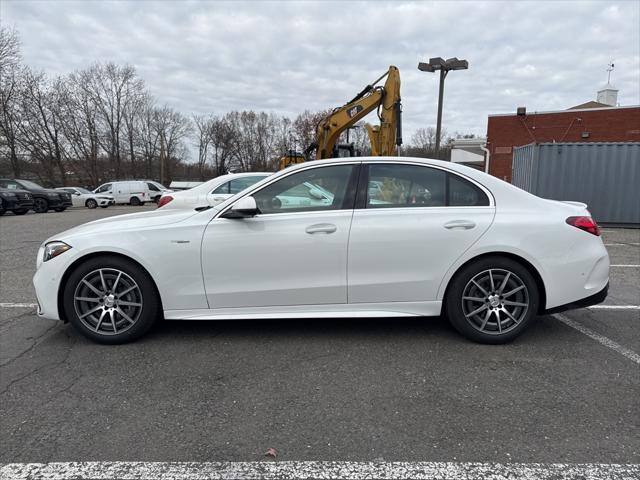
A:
243	208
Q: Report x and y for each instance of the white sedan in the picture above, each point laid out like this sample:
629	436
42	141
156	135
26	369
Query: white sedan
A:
81	197
211	193
438	238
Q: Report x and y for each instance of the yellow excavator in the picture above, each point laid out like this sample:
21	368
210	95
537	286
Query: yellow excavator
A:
384	138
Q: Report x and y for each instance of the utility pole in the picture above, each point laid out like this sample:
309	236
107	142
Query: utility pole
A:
438	63
162	157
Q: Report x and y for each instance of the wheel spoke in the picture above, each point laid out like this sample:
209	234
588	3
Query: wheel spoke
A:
510	316
471	299
89	312
87	299
124	315
515	290
115	284
104	312
497	312
484	292
104	284
514	304
113	321
126	291
129	304
485	320
493	286
93	289
504	283
477	310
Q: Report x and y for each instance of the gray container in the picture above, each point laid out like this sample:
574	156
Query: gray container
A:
605	176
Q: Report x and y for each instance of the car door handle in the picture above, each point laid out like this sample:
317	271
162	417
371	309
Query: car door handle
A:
321	228
462	224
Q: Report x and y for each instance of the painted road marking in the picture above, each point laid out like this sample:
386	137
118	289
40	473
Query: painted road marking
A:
632	244
607	342
625	266
18	305
614	307
316	470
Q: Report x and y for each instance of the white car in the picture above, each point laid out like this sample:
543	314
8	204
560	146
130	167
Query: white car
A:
156	189
81	197
488	255
211	193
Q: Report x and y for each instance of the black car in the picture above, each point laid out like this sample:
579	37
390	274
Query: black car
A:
16	201
44	199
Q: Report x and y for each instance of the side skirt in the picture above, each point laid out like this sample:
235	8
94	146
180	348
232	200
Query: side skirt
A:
355	310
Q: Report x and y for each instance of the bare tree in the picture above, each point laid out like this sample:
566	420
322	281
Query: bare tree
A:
9	111
203	127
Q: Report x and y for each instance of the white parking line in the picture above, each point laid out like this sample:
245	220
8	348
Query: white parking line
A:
631	244
614	307
607	342
625	266
18	305
316	470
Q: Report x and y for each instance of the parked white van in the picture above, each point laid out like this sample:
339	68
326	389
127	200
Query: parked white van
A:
132	192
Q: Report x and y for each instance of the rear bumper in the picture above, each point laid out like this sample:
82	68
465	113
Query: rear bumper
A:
594	299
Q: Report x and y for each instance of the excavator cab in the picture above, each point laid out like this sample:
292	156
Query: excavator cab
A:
291	158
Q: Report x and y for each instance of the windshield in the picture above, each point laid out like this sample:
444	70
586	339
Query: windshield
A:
28	184
82	190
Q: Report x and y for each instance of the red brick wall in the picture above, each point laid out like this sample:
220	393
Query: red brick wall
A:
607	125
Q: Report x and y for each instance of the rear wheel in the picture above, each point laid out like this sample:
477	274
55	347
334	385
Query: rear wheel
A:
60	209
40	205
135	201
91	203
492	300
2	209
111	300
20	211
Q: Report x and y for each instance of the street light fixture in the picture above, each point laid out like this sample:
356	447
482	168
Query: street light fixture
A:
438	63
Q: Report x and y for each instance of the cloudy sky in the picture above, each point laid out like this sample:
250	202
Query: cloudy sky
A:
286	57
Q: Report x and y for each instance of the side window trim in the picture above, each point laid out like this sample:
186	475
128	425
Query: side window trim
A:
363	186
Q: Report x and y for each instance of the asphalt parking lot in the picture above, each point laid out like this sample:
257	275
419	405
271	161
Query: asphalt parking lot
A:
352	390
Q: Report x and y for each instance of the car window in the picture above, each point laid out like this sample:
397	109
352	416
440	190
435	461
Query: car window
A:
238	184
321	188
393	186
152	187
222	189
9	184
463	193
104	188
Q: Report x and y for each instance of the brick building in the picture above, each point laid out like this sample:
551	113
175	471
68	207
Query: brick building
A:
589	122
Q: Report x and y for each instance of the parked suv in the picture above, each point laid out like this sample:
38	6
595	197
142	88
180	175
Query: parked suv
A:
44	199
17	201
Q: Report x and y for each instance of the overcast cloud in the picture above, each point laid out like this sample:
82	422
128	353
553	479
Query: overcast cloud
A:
213	57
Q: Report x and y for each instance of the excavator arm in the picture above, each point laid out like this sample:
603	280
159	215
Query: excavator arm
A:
384	137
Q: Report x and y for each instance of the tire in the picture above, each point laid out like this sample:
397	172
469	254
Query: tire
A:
135	201
487	314
156	199
60	209
143	302
20	211
40	205
2	210
91	203
104	206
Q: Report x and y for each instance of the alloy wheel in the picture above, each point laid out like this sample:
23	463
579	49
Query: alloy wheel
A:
40	205
495	301
108	301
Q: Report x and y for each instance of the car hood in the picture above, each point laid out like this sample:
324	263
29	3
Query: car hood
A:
131	221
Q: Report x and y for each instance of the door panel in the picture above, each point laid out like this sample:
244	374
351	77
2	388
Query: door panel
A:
402	254
282	259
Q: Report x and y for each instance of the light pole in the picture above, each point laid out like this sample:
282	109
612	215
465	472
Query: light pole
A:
444	66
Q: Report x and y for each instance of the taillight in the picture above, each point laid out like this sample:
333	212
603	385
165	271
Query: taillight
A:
164	200
587	224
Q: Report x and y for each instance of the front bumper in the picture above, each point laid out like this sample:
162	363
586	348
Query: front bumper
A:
594	299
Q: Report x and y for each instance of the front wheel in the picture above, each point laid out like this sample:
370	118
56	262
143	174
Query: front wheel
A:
20	211
60	209
91	203
111	300
492	300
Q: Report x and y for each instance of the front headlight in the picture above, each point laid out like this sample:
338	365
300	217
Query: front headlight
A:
8	195
53	249
53	195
